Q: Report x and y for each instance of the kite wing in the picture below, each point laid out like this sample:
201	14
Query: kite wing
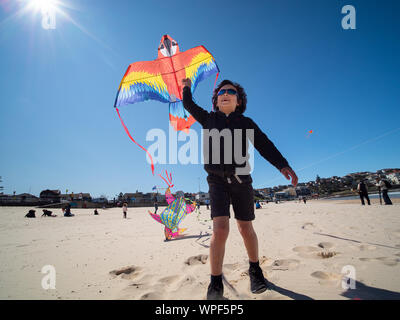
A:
190	208
156	217
142	81
197	64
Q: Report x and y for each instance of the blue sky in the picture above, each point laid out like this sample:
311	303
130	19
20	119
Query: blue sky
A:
301	70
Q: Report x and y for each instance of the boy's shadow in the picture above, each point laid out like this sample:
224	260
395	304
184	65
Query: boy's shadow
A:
364	292
285	292
272	287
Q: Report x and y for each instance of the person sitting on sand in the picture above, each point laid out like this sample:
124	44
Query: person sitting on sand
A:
67	212
258	205
226	185
48	213
31	214
96	213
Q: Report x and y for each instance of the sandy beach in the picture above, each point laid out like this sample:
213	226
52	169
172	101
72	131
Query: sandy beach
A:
305	251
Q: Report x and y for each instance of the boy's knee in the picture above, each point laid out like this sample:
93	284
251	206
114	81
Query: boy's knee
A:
221	232
246	229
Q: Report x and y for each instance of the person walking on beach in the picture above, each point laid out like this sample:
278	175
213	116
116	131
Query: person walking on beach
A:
231	182
125	209
155	205
363	192
383	186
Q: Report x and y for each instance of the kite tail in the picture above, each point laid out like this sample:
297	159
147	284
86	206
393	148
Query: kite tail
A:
127	131
169	182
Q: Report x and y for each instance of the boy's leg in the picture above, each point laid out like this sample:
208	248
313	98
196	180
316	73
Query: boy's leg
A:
258	283
217	246
220	201
215	289
249	238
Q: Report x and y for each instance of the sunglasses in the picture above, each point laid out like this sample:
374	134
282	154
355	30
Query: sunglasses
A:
229	91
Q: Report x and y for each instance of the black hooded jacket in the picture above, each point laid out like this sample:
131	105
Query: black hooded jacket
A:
236	125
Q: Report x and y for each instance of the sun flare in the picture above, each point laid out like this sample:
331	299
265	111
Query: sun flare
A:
44	5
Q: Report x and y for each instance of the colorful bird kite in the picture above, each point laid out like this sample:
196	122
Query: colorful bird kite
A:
175	212
161	80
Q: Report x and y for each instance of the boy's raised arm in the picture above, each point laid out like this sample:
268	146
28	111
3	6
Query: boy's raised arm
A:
197	112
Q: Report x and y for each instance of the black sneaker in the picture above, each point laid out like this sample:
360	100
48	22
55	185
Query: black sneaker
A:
215	292
258	283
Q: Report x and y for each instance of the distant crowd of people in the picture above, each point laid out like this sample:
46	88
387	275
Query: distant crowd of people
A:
362	189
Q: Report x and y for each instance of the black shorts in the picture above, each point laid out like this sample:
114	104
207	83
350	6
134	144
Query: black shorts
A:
222	194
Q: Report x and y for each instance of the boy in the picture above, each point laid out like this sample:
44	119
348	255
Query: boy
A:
230	181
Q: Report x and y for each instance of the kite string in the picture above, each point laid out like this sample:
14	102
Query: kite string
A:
215	82
127	131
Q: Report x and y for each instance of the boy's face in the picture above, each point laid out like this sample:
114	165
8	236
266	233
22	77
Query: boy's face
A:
227	100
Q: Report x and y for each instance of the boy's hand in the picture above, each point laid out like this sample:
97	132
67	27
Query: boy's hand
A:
288	172
186	83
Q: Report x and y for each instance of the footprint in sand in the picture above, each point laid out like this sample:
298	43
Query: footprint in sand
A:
316	253
327	278
127	272
326	245
366	259
199	259
308	226
169	280
385	260
285	264
151	296
388	261
231	267
322	275
365	247
306	249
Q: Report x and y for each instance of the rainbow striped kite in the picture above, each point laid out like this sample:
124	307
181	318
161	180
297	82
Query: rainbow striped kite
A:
161	80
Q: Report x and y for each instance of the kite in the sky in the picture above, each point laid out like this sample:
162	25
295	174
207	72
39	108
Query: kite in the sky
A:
175	212
309	133
161	80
